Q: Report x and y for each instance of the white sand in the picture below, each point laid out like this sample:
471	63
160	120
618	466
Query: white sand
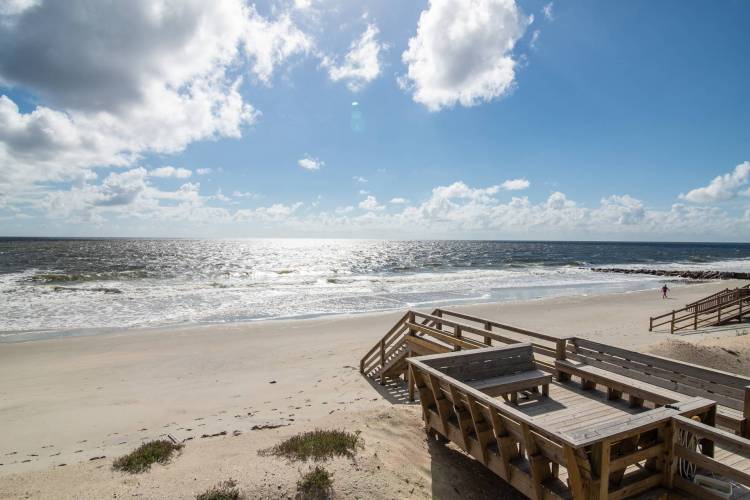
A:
67	401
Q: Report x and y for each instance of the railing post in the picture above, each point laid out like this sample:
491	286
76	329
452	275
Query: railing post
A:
695	320
671	329
457	334
561	354
650	324
718	320
439	314
488	327
745	427
382	354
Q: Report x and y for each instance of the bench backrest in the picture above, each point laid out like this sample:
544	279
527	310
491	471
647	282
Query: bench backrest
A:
478	364
724	388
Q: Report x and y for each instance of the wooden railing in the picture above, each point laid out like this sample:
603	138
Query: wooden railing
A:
711	437
530	456
710	311
453	331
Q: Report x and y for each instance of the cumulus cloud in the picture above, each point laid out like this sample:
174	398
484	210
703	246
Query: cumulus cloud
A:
399	201
463	52
117	80
515	184
359	178
270	43
361	64
370	203
169	171
203	171
722	187
310	163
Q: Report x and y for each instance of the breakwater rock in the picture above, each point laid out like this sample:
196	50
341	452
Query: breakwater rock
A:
673	273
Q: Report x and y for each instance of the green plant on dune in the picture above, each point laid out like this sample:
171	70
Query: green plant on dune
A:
226	490
317	484
140	459
316	445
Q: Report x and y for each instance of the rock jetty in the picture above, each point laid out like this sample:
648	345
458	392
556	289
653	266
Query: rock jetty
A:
672	273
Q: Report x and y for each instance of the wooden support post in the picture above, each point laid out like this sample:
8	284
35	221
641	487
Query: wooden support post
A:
670	461
410	379
745	429
587	385
651	324
457	333
613	394
600	465
382	361
440	403
488	327
695	319
505	446
439	314
671	328
718	312
537	461
635	402
575	482
561	354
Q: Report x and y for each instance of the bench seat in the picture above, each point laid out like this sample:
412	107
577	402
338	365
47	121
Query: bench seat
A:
725	416
515	382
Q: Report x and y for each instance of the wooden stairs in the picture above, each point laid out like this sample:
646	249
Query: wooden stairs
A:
417	333
720	308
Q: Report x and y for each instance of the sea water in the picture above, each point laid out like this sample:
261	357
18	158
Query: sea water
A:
75	285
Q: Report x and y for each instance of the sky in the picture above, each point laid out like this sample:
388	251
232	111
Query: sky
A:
486	119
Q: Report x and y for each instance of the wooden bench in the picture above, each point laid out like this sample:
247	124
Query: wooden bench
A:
496	371
659	380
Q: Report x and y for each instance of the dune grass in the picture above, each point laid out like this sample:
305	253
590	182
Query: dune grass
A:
317	484
226	490
316	445
140	459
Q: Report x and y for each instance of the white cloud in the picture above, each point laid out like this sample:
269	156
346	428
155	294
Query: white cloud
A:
360	179
363	192
117	80
370	203
169	171
722	187
310	163
547	11
270	43
203	171
245	194
399	201
462	52
515	184
361	64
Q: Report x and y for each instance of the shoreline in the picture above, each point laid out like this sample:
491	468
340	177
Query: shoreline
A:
73	401
587	290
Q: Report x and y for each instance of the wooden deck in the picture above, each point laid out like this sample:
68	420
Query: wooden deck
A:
614	423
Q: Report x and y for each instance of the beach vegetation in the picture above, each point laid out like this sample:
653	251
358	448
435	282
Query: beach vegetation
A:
316	484
225	490
316	445
140	459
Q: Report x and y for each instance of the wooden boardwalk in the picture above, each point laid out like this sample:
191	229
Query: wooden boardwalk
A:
612	424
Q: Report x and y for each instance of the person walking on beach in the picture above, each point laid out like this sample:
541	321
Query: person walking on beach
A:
664	291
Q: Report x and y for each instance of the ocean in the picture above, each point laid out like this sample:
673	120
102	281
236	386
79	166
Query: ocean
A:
73	286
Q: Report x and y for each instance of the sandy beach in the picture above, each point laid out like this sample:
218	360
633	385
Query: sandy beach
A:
69	406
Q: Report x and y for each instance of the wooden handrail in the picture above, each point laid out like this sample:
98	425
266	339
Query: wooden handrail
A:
708	311
501	326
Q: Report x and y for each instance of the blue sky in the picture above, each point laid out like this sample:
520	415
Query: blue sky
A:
443	119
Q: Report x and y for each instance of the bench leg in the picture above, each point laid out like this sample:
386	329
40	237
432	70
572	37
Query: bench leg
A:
587	385
545	390
562	376
635	402
514	397
613	393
